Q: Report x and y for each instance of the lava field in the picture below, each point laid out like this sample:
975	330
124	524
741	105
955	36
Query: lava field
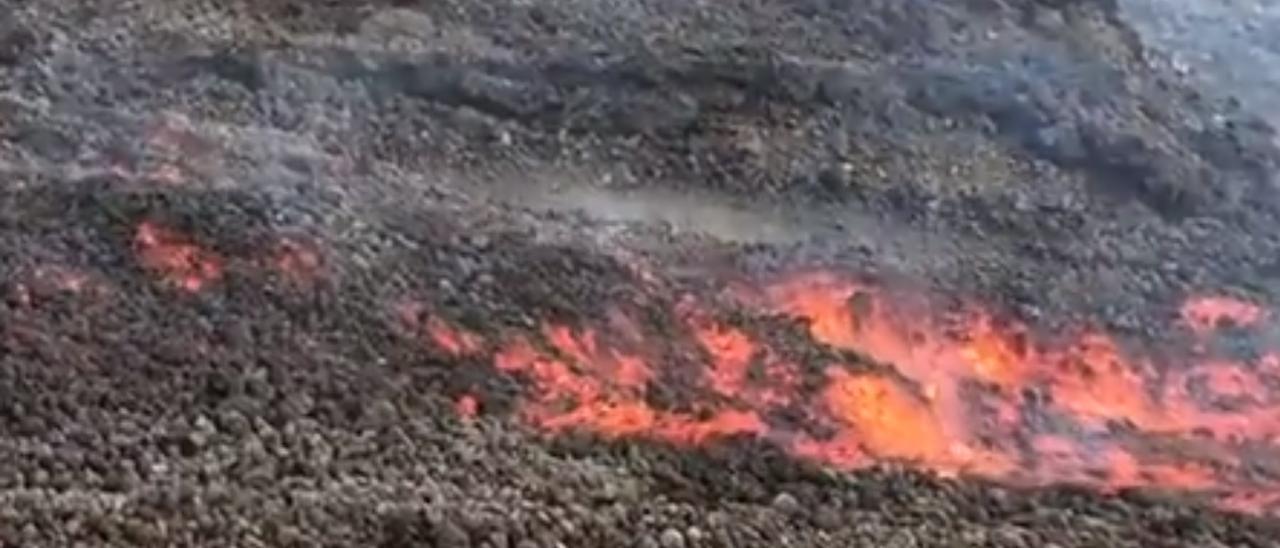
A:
653	274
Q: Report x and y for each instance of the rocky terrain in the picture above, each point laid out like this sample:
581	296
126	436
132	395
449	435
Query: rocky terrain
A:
268	267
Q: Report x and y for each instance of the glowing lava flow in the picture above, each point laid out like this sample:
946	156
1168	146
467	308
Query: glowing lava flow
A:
582	385
960	394
181	262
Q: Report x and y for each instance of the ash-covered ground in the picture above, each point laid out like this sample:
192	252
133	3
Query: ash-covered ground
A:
227	228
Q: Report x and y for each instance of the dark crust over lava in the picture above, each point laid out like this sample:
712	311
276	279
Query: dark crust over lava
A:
1055	168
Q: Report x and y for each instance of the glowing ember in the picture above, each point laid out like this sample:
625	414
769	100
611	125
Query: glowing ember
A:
297	261
179	261
958	394
1205	314
48	279
467	406
455	341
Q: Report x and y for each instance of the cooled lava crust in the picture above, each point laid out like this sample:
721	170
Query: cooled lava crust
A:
653	273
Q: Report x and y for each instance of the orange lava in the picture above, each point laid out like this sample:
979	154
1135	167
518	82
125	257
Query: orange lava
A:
174	257
734	359
579	384
890	422
956	393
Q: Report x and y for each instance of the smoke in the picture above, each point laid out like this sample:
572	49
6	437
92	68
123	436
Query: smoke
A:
1231	47
685	211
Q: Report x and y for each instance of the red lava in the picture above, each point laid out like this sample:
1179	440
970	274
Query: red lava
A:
455	341
467	406
1204	314
174	257
957	398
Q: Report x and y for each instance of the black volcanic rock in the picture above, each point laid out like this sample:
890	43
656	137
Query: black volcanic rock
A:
336	175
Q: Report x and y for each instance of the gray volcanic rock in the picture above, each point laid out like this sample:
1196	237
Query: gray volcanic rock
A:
227	228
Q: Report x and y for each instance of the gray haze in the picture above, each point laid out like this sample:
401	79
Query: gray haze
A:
1232	46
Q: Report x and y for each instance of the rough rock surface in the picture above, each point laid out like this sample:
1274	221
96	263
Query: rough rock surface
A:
329	163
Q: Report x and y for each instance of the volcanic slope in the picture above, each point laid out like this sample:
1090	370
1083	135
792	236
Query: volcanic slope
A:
314	273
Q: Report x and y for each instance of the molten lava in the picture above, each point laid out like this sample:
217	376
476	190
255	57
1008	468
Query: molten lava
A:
467	406
956	393
182	262
1205	314
578	384
175	257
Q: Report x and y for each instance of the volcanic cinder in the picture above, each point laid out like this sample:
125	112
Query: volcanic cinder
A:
656	273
